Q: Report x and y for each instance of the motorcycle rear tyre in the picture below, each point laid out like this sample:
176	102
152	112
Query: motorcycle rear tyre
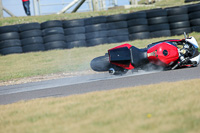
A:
100	63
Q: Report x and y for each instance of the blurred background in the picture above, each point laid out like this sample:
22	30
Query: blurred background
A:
45	7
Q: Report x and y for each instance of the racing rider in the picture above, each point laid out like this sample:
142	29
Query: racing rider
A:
26	5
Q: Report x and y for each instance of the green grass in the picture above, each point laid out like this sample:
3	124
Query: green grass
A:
57	61
159	108
17	66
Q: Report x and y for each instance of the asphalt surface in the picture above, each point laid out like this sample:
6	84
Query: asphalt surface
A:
90	83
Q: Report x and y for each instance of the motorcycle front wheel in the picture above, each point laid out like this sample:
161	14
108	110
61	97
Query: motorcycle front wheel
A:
100	63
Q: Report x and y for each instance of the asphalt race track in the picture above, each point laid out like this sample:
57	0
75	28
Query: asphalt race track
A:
90	83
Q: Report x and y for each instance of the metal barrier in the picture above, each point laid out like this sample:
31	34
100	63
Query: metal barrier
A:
40	6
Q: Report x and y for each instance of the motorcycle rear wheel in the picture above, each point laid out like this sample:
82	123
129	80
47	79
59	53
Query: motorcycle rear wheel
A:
100	63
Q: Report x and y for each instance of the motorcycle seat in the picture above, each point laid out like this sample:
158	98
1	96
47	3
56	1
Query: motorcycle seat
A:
138	56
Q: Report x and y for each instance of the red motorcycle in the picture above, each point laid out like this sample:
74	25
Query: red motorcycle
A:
167	54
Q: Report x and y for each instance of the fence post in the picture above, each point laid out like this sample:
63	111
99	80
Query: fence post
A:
1	9
39	8
35	6
95	5
68	6
78	6
90	4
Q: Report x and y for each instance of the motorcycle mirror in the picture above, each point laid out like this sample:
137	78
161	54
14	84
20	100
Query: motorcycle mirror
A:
185	35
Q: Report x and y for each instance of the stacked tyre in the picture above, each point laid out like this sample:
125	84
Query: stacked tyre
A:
9	40
178	20
53	35
96	31
194	16
117	28
138	26
31	37
186	1
158	23
74	33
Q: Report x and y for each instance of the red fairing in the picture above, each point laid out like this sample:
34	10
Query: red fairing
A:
125	66
163	54
129	66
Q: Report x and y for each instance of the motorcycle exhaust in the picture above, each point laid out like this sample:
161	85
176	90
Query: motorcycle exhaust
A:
111	71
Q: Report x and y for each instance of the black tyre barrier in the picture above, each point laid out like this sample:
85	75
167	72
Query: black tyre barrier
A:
95	27
9	35
117	39
98	34
11	28
55	45
135	22
75	33
161	33
178	18
11	50
75	37
32	40
74	30
50	24
55	37
194	8
117	25
194	15
73	23
53	30
10	43
177	11
139	28
138	25
139	35
102	29
29	26
95	20
180	31
96	41
186	1
195	22
158	20
95	24
30	33
31	37
116	18
136	15
181	24
118	32
156	13
76	44
196	28
33	47
159	27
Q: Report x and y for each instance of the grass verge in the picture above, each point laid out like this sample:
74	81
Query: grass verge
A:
160	108
61	61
